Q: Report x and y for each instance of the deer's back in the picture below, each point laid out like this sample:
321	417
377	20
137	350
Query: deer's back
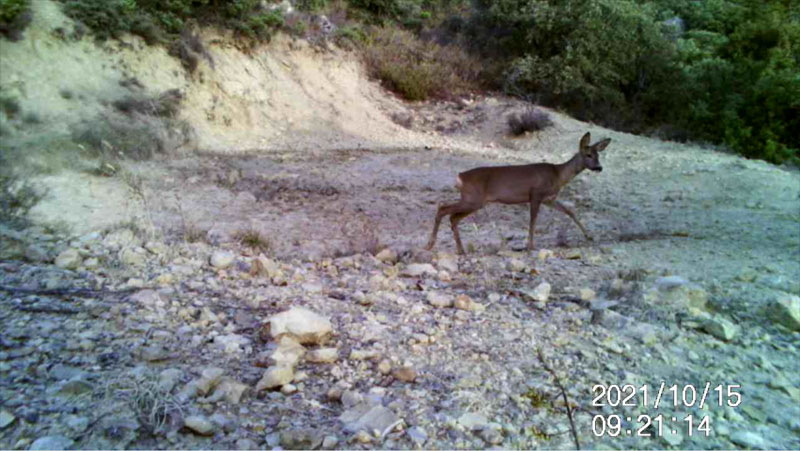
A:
510	184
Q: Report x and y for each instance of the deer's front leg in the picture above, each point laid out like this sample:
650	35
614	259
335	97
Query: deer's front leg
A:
535	202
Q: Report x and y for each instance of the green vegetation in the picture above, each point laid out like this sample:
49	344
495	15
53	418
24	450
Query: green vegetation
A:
162	21
724	71
14	17
255	240
418	69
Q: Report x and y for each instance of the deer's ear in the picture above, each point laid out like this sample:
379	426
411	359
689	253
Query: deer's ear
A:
600	146
585	141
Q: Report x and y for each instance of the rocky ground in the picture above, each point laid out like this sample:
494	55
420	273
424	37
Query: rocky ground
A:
124	338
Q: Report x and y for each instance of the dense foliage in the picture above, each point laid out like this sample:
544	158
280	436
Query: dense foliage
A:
725	71
157	20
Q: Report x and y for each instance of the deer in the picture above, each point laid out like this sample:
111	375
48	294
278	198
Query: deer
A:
535	184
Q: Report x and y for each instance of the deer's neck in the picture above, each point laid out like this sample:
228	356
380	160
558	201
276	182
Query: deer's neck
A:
567	171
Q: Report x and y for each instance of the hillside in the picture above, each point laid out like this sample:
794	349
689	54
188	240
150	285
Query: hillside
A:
140	308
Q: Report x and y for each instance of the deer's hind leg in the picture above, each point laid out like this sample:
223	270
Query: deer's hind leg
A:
457	212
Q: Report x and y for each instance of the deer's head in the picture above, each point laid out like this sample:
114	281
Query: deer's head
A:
591	159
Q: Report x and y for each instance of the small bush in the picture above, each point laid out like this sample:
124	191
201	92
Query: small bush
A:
532	120
17	197
14	18
165	105
255	240
417	69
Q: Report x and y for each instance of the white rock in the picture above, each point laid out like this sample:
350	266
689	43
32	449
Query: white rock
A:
387	255
221	259
209	378
541	293
6	418
231	343
720	328
670	282
786	311
517	265
132	256
52	442
545	254
748	439
275	377
473	421
69	259
323	355
418	269
306	326
439	300
199	424
448	263
287	353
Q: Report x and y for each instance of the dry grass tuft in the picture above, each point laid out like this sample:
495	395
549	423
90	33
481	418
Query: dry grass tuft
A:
418	69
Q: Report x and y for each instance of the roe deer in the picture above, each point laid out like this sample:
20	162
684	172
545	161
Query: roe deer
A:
530	183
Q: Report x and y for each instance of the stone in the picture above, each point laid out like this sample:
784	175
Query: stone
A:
672	439
169	378
417	435
473	421
300	439
418	270
439	300
231	343
75	387
720	328
52	442
587	294
464	302
199	424
670	282
221	259
786	311
76	424
361	418
387	255
747	439
679	293
275	377
37	254
541	293
209	378
448	263
245	444
517	265
545	254
303	324
287	353
119	238
133	256
385	366
69	259
330	442
229	390
6	419
323	355
405	374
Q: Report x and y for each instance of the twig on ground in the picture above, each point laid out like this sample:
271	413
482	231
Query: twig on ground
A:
557	381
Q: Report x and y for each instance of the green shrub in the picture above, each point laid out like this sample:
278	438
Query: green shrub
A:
416	69
14	18
17	196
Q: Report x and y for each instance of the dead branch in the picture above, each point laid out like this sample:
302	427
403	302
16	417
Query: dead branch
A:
557	381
